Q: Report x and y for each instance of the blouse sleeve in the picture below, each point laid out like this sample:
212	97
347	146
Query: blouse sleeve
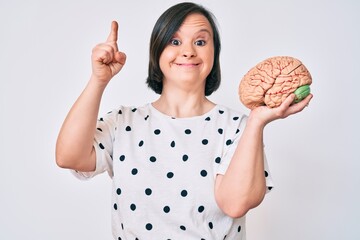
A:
103	144
230	150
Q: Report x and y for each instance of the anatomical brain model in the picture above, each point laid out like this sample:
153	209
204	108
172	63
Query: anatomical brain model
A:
274	79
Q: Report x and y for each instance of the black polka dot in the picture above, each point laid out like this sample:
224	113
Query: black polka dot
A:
122	226
235	118
141	143
115	206
237	131
207	119
133	207
172	144
239	229
99	129
182	227
152	159
122	158
187	131
134	171
203	173
157	131
134	110
101	119
228	142
201	209
211	226
146	118
266	174
118	191
184	193
148	191
185	157
205	141
170	174
128	128
221	111
218	159
148	226
269	188
166	209
101	146
220	130
120	112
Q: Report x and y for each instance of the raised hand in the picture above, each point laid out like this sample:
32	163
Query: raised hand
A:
106	59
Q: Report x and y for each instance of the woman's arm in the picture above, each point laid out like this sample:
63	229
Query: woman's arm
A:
74	147
243	187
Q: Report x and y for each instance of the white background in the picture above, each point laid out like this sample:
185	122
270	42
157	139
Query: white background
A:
45	49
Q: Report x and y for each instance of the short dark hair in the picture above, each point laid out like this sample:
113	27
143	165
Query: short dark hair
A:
165	28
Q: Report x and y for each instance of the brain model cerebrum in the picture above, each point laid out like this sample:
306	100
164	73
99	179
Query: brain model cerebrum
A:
272	80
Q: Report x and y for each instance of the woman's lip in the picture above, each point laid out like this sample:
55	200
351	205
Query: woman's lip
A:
187	64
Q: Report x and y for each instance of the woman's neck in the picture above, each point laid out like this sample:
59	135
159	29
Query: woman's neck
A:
183	104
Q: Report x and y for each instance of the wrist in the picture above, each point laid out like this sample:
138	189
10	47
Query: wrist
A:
97	83
255	120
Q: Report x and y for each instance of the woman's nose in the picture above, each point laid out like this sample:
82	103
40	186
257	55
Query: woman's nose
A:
188	51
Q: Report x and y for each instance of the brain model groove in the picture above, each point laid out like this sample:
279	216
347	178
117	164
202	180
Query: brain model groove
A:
272	80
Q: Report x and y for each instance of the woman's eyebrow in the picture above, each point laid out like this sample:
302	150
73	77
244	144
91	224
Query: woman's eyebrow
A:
205	30
202	30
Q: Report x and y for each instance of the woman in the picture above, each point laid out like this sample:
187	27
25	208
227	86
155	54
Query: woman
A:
182	166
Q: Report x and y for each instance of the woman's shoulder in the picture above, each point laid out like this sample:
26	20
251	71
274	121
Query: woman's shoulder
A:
128	109
126	112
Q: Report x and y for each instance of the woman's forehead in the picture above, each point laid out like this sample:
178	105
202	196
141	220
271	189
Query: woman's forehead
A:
197	23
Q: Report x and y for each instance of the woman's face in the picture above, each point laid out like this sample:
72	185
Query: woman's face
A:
189	56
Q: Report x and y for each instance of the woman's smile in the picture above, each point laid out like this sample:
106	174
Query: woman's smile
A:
187	64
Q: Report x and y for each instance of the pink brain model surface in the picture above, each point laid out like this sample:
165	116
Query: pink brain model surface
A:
272	80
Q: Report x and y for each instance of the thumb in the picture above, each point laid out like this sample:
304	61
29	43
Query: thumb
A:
120	57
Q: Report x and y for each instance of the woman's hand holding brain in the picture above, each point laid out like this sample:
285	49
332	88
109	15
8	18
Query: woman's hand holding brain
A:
271	81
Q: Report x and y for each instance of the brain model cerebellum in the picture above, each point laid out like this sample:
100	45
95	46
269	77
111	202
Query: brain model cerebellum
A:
272	80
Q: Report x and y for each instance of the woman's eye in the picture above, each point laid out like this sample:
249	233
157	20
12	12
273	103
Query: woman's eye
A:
200	43
175	42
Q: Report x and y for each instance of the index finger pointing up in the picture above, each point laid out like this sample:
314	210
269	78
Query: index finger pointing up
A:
113	36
